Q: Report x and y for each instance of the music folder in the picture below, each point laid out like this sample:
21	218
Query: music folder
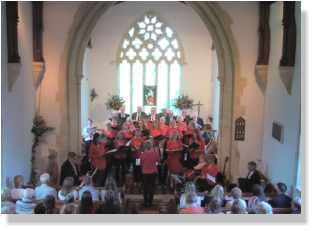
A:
188	136
135	123
122	152
193	145
159	138
146	132
91	129
211	178
115	128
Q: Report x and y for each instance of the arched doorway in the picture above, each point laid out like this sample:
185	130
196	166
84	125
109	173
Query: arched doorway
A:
88	15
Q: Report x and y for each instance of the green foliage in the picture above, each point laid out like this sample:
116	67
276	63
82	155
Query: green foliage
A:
183	102
115	102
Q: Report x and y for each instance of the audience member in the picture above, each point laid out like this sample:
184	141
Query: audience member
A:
6	200
191	206
69	209
236	194
296	205
215	206
88	187
42	191
110	185
6	210
67	188
109	207
282	200
26	205
17	192
40	208
217	193
70	169
87	206
237	207
189	188
252	177
264	208
69	199
258	196
50	203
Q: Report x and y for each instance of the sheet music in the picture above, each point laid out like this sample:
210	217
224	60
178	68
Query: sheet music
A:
113	150
185	145
94	172
211	178
137	161
128	143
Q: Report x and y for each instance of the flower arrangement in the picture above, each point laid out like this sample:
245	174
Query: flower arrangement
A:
115	102
39	128
183	102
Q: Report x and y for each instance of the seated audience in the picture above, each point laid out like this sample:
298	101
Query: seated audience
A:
217	193
26	205
17	192
282	200
264	208
40	208
68	200
87	206
110	185
42	191
215	207
88	187
6	200
191	206
236	194
69	209
6	210
67	188
296	205
189	188
109	207
258	196
237	207
50	203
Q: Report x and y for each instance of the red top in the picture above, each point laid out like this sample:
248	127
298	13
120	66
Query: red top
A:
138	143
200	150
117	144
182	126
193	210
112	134
132	127
174	145
148	162
212	171
148	125
170	130
128	134
190	130
94	153
155	132
164	129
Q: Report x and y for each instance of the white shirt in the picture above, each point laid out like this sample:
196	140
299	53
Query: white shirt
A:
62	198
94	192
25	206
85	133
42	191
153	117
17	193
138	116
10	205
122	115
251	173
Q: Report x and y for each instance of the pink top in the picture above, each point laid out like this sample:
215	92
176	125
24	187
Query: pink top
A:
148	162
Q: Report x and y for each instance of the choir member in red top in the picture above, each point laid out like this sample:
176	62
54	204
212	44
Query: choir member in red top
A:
172	127
209	168
148	162
147	124
130	121
181	125
141	127
127	132
120	141
137	146
154	132
163	126
96	154
190	127
174	149
109	132
194	154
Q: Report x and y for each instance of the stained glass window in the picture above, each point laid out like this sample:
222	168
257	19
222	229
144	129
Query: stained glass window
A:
150	54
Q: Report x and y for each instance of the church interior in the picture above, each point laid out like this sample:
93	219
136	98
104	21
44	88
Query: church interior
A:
238	62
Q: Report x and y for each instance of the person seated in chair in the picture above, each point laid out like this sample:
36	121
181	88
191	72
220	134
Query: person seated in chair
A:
215	207
109	207
236	193
191	205
211	169
50	203
70	169
88	187
218	193
26	205
40	208
296	205
189	188
264	208
17	192
252	177
282	200
6	200
42	191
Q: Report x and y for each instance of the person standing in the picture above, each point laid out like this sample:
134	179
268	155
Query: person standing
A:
198	121
88	136
153	116
122	116
194	154
97	152
137	116
137	144
148	162
185	116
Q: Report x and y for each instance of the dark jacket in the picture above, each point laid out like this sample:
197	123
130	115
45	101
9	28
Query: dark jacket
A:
280	201
156	117
186	119
109	208
122	120
68	171
168	119
199	122
135	114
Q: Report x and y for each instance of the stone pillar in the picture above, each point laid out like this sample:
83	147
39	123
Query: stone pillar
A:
79	129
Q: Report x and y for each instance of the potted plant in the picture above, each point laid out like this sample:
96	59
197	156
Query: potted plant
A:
115	102
183	102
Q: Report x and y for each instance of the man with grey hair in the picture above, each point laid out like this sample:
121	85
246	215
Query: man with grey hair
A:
26	205
109	207
88	187
191	205
264	208
185	117
170	117
42	191
139	114
122	116
6	201
153	116
198	121
296	205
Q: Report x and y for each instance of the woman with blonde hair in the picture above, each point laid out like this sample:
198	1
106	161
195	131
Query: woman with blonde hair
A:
110	185
18	192
173	127
236	193
237	207
215	207
174	148
126	130
189	187
211	169
217	193
67	187
180	124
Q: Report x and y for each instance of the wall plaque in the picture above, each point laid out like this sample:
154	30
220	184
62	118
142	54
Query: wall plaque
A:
239	129
277	131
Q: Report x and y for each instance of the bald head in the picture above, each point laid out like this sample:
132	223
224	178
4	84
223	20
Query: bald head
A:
122	110
139	109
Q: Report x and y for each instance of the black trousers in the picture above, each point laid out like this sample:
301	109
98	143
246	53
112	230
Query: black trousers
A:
149	181
99	178
162	173
121	163
87	145
203	185
137	172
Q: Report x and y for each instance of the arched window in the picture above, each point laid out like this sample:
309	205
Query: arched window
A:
150	54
